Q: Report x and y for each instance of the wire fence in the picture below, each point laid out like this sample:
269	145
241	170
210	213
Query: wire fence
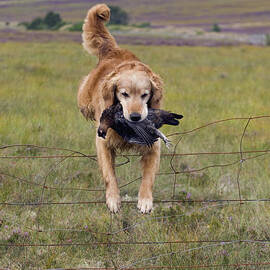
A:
242	156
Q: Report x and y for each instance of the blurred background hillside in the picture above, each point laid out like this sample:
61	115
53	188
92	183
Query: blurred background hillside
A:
208	22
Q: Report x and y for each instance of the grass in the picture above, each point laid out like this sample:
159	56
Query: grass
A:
38	106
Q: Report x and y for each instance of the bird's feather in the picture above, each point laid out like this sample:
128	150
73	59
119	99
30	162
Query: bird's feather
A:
144	132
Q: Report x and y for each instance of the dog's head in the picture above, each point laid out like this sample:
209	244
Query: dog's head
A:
136	89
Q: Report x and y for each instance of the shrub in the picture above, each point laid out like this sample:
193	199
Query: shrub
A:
52	21
267	39
76	26
216	28
36	24
118	15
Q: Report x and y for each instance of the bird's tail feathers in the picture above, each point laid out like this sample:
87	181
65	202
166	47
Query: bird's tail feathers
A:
172	119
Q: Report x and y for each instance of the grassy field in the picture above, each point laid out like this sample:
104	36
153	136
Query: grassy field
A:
38	85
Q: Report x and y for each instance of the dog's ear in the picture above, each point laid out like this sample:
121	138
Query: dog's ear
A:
109	92
156	91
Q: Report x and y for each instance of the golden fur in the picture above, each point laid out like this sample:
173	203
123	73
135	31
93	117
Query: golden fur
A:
119	75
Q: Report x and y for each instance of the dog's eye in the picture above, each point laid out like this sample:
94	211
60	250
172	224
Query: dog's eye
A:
125	94
144	95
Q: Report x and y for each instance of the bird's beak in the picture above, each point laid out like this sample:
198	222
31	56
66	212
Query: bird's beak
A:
102	133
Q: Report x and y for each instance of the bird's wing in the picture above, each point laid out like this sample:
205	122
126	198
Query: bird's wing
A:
142	136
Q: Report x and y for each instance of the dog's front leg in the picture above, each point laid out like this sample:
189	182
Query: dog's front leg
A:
150	165
106	158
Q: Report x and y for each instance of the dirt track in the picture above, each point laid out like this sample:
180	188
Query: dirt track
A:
40	36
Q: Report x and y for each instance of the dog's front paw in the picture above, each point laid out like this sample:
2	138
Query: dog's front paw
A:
145	205
113	203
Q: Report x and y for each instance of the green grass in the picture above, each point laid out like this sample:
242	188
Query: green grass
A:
38	85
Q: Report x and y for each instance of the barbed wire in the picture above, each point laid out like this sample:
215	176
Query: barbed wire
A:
243	156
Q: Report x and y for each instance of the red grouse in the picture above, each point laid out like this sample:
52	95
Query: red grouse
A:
144	132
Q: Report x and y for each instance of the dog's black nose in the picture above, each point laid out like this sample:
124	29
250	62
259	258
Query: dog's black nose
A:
135	117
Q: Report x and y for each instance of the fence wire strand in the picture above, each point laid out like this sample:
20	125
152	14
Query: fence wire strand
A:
109	243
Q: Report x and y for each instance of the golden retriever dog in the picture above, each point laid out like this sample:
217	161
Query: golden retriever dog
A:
118	77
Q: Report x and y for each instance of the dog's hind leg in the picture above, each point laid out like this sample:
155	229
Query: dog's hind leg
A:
150	165
106	158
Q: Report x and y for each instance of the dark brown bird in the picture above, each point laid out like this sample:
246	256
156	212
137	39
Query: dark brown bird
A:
144	132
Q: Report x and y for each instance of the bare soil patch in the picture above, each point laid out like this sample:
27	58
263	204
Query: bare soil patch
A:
7	35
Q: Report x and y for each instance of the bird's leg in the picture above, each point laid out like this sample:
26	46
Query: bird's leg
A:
164	138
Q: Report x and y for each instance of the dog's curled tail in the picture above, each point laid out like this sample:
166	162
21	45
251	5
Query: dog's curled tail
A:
96	38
